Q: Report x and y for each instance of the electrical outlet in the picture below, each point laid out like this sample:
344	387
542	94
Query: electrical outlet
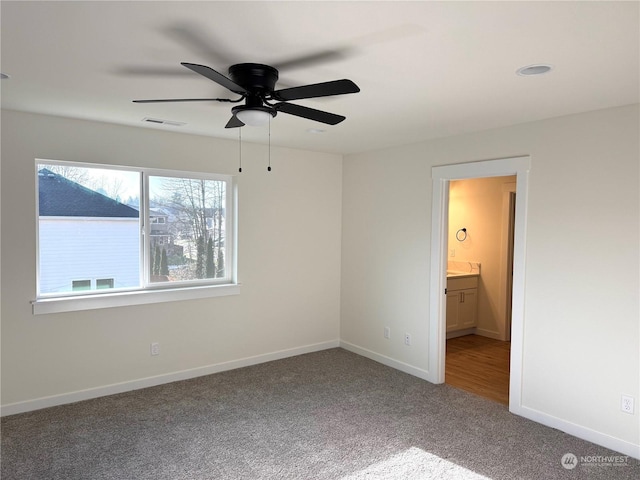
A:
407	339
626	404
387	333
452	252
155	349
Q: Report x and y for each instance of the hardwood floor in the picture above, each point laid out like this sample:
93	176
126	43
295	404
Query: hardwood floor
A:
479	365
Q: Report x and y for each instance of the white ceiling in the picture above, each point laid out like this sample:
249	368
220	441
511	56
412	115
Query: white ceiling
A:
425	69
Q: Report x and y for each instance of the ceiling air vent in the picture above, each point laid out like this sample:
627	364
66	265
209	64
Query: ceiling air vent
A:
159	121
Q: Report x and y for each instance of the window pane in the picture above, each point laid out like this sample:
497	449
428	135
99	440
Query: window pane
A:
104	283
89	227
77	285
187	229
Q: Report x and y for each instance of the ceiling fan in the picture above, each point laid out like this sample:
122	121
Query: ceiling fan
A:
255	83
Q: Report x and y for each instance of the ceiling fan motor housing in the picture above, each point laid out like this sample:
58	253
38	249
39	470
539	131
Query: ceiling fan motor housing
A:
259	81
254	77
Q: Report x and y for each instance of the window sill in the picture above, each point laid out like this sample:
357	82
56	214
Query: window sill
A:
44	306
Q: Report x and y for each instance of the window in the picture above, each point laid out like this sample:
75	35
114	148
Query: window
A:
128	229
104	283
77	285
191	245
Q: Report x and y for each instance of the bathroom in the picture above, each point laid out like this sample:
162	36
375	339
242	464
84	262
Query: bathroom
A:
479	272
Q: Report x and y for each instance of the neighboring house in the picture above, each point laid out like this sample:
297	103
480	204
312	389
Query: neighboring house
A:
159	228
173	229
212	228
88	241
160	234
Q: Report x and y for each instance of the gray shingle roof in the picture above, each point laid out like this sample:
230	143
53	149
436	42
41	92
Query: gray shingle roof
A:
60	197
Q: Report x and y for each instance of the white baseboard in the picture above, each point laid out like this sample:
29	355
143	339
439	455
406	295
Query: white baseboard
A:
388	361
585	433
474	331
489	334
461	333
77	396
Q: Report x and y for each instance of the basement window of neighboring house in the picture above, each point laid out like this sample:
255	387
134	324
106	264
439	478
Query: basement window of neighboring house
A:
104	283
78	285
114	236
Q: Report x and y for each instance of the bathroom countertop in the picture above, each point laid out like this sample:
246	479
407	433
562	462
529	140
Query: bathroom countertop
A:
462	268
453	274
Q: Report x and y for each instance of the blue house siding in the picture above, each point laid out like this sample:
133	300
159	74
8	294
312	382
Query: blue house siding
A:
88	249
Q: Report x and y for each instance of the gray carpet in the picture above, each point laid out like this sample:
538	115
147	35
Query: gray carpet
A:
325	415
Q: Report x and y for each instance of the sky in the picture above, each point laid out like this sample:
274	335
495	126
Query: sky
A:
122	185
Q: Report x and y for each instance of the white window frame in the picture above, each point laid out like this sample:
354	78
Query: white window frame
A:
147	292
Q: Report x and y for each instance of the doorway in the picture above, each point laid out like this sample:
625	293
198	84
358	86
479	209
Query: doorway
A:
441	176
478	318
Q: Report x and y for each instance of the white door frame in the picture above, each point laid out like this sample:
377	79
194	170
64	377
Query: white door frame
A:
506	268
441	176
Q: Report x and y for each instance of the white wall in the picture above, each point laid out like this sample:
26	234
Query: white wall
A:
289	265
581	325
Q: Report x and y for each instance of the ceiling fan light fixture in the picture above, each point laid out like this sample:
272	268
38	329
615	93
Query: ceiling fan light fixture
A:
254	116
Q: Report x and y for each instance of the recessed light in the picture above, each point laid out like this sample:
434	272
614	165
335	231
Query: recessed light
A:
532	70
4	76
315	130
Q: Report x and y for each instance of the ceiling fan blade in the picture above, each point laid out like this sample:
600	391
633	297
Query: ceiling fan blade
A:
167	100
310	113
201	40
217	77
325	89
330	55
234	123
151	71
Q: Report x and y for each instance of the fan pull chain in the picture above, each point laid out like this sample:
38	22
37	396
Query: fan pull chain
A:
269	167
240	148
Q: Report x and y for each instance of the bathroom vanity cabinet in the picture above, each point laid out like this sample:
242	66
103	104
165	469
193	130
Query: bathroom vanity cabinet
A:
462	302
